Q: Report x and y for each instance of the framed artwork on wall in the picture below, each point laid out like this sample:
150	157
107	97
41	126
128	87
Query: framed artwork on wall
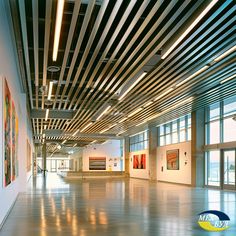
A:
139	161
29	156
97	163
7	135
11	132
172	159
14	142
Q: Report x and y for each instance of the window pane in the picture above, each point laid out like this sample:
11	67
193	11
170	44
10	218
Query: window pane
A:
174	126
189	134
213	168
145	135
162	140
214	111
182	123
214	132
229	130
230	106
161	130
168	139
175	137
182	135
167	128
189	120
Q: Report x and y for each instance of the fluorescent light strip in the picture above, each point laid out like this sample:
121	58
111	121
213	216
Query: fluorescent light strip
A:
47	113
171	108
75	132
103	112
121	132
45	126
148	104
196	21
86	127
123	120
75	145
225	54
136	111
141	132
50	90
93	141
135	82
193	75
141	123
163	94
64	141
60	7
44	135
103	131
227	79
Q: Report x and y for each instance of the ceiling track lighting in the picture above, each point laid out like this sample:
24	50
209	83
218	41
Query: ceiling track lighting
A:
195	22
60	7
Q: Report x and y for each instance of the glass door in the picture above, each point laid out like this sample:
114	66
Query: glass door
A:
229	169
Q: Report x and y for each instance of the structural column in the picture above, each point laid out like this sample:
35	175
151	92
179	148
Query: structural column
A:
197	149
44	155
152	152
126	156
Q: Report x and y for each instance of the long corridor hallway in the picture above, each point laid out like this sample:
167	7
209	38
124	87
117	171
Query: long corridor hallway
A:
55	207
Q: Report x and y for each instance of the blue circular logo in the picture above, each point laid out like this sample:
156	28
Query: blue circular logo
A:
213	220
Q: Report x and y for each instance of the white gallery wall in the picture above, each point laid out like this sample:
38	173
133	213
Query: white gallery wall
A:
110	150
139	173
183	175
9	70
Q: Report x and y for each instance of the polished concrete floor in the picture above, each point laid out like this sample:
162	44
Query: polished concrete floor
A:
114	207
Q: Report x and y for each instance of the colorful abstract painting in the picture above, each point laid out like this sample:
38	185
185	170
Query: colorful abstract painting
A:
172	158
7	135
97	163
14	139
139	161
29	156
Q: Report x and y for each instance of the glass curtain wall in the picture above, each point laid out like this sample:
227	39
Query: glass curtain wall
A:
220	126
176	131
220	122
138	142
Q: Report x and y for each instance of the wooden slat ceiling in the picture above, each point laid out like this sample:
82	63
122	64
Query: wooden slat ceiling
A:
104	47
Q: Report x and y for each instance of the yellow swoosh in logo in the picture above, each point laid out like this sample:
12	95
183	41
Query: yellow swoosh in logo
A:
209	227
